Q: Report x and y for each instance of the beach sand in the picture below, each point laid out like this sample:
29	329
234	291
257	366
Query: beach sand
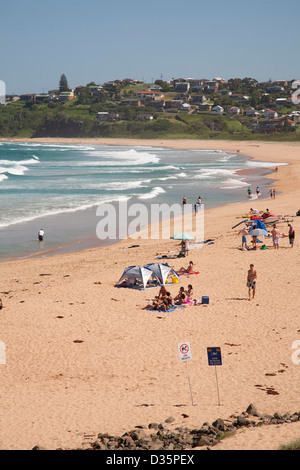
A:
82	357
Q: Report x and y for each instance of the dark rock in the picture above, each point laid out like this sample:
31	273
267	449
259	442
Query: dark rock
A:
137	434
170	420
219	424
201	441
252	410
242	421
153	426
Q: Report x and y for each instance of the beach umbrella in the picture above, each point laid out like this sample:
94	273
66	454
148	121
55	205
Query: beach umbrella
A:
258	232
182	236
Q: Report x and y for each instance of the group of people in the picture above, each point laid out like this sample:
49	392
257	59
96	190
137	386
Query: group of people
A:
250	191
196	205
276	234
164	300
272	193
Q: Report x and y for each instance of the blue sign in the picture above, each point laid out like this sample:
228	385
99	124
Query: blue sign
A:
214	356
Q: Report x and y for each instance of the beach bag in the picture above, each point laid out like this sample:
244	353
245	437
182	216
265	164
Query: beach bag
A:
263	247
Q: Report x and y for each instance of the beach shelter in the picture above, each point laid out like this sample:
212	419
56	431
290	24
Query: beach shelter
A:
162	271
138	273
258	225
182	236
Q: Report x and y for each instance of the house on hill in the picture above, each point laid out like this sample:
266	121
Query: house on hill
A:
234	110
66	95
153	95
217	110
270	114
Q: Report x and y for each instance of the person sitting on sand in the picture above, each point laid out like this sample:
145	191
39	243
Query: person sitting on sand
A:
169	299
162	293
178	296
187	270
180	299
189	292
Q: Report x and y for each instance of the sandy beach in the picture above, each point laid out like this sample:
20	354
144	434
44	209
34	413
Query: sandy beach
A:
83	357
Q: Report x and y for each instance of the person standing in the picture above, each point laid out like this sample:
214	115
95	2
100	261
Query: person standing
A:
251	281
275	236
244	233
291	235
184	200
41	235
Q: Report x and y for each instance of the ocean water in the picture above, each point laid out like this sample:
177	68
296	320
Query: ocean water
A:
58	187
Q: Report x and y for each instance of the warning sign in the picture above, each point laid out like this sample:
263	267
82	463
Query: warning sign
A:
214	356
184	351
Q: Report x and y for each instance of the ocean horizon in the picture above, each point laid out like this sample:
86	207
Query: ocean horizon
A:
58	187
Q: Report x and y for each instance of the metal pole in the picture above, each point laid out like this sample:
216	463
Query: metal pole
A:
217	385
187	371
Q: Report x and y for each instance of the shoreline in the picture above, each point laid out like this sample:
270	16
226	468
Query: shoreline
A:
83	356
91	242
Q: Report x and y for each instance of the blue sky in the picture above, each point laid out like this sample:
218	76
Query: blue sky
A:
98	40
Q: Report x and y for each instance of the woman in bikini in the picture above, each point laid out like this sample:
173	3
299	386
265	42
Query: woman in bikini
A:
187	270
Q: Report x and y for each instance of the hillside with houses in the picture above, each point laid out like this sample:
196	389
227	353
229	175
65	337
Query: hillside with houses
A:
178	108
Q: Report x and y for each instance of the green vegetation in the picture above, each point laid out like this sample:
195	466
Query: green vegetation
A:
78	117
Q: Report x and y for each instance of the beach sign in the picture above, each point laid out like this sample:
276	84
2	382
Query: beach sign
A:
215	359
214	356
185	355
184	351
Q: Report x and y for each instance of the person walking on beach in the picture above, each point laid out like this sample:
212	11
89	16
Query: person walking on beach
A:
251	281
184	200
257	191
291	235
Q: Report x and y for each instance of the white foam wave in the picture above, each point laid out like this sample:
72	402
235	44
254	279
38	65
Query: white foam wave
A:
3	177
59	210
153	193
214	173
126	157
17	170
29	161
231	183
124	185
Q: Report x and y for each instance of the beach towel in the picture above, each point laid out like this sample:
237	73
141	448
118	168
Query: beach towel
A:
169	310
192	272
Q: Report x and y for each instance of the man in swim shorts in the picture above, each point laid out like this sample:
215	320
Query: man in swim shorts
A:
275	236
251	281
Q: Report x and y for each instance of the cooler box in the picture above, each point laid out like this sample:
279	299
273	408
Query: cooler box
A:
205	299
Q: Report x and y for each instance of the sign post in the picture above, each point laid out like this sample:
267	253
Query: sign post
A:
215	359
185	355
